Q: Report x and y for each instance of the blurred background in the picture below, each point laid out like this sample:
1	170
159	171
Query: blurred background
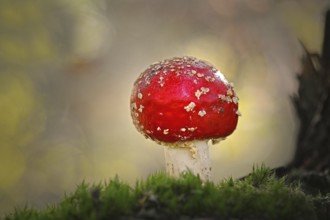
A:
67	69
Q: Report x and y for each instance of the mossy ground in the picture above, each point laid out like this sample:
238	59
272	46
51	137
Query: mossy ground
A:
260	195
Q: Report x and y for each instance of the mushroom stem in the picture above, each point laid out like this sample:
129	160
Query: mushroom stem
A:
194	158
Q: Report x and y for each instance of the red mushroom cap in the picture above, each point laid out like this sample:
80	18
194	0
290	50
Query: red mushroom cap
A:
183	99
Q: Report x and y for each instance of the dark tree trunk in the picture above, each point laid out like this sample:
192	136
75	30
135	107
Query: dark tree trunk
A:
312	104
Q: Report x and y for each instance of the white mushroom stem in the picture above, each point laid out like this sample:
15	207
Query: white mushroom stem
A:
194	158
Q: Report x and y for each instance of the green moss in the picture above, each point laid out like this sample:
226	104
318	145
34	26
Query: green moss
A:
258	196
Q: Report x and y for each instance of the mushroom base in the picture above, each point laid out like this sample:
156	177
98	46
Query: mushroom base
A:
195	159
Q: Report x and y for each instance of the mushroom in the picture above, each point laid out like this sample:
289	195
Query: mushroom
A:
183	103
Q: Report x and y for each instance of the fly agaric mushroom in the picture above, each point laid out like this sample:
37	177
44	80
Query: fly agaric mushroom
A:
183	103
